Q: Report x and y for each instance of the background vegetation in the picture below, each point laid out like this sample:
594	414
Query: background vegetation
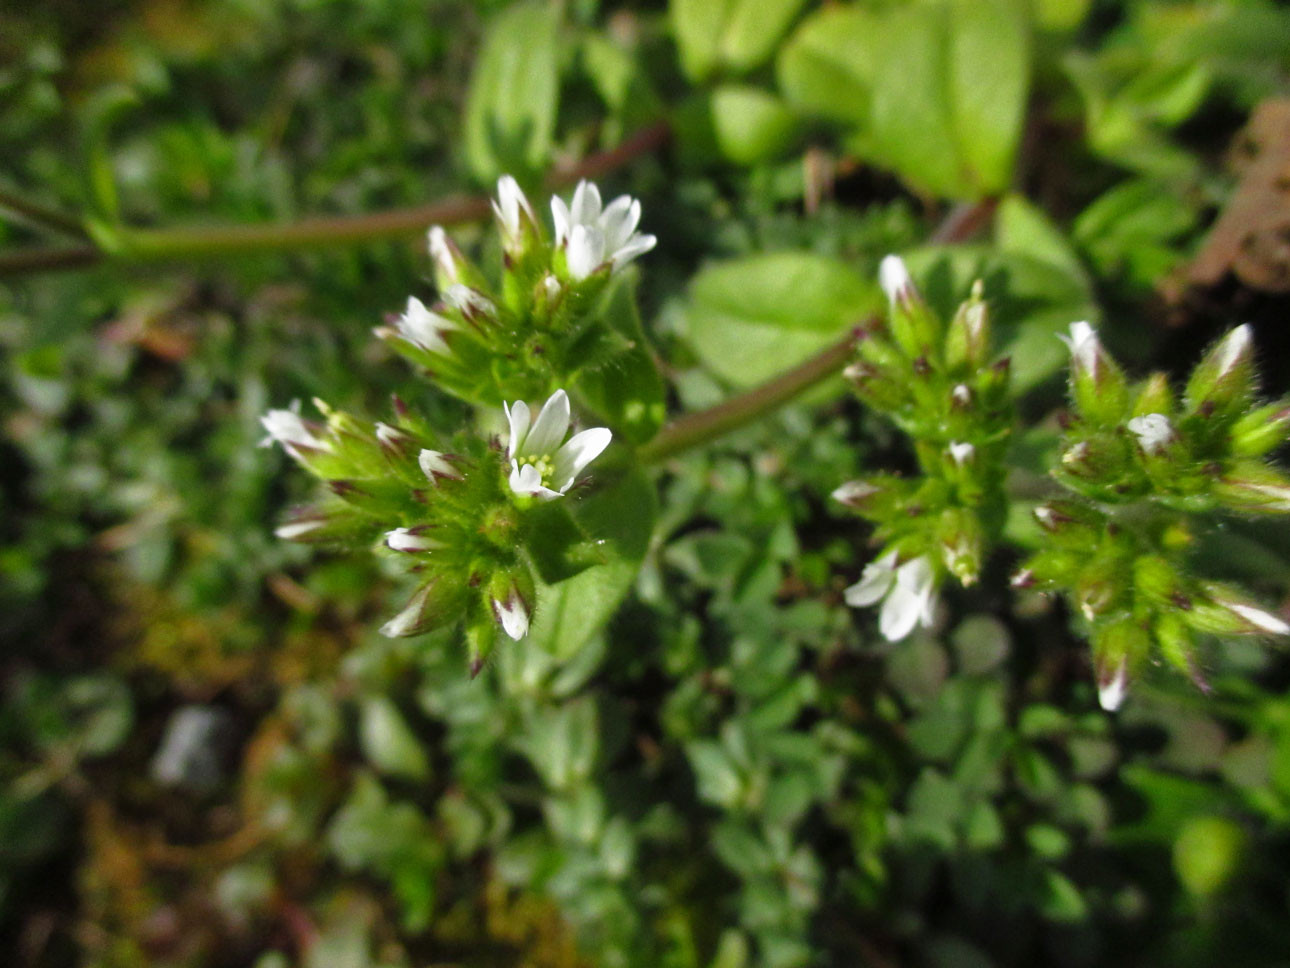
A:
734	769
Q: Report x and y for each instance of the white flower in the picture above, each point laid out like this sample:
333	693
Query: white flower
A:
538	468
893	276
511	201
1153	431
423	327
591	236
1084	345
908	594
287	428
410	539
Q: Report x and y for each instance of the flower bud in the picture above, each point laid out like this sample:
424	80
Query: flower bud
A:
874	387
1157	581
450	266
1118	648
913	324
511	596
1154	433
515	217
1154	396
1222	610
435	604
1096	592
1061	516
877	497
412	540
1223	383
1178	646
1098	459
1098	387
1261	431
1254	487
967	341
962	544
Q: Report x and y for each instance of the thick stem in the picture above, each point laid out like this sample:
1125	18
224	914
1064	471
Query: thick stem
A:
694	429
151	245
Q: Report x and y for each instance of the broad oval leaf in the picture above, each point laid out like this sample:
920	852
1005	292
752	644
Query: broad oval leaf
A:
750	318
514	93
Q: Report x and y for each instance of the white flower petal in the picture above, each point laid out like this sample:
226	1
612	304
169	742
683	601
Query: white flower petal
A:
561	218
549	428
581	450
875	581
517	416
585	252
619	221
586	203
525	480
900	613
638	245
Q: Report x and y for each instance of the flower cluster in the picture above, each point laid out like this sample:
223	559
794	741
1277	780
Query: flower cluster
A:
462	517
1139	463
938	383
538	327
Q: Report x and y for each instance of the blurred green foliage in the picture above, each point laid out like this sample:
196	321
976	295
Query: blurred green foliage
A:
730	768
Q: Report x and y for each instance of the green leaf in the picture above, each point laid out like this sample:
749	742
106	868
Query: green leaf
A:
750	125
733	35
625	390
559	548
989	75
950	94
514	93
749	319
621	515
827	67
388	743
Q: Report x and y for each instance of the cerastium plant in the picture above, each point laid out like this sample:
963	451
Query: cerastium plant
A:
1137	465
482	521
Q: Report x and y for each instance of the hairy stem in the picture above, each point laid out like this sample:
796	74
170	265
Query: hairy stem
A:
126	245
699	428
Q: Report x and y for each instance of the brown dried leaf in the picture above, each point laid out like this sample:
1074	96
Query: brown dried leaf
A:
1252	236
